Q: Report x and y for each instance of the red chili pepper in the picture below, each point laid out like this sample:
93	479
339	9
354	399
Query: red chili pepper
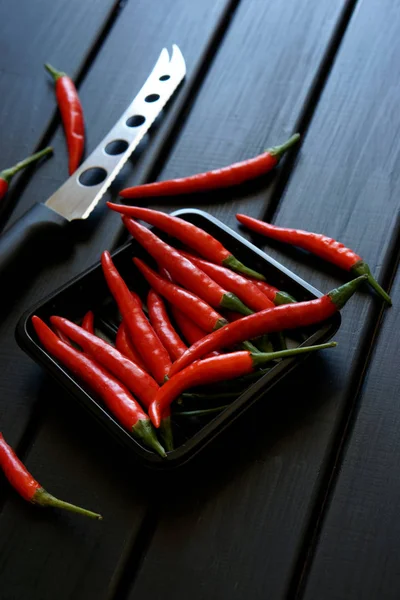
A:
163	327
127	372
318	244
234	174
191	332
27	487
71	114
183	270
277	296
7	174
124	344
279	318
88	322
249	293
113	393
215	369
146	342
194	237
190	304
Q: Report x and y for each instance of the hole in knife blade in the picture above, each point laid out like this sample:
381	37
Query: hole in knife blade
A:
92	176
165	77
152	98
116	147
135	121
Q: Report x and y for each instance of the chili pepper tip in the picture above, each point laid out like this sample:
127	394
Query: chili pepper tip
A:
361	268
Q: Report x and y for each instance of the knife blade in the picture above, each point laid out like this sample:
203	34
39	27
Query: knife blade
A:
82	191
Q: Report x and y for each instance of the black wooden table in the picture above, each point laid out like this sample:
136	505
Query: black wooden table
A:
300	499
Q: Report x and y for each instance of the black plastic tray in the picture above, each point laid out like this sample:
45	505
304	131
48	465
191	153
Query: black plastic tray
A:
89	291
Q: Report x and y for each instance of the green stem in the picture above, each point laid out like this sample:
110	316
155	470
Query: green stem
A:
278	151
232	302
283	298
8	174
262	358
233	263
54	73
43	498
201	412
361	268
226	396
342	294
143	430
166	433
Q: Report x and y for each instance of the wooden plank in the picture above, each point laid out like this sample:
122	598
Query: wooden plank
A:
62	33
356	555
237	526
67	556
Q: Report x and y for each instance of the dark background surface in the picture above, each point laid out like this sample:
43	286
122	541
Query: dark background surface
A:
300	498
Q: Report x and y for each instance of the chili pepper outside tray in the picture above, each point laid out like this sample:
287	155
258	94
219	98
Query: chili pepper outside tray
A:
89	291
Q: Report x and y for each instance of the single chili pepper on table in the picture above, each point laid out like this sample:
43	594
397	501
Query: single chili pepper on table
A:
7	174
27	487
163	327
231	175
191	235
145	340
318	244
183	270
190	304
113	393
279	318
71	114
124	344
218	368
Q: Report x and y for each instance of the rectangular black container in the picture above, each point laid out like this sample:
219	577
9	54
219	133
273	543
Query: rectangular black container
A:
88	291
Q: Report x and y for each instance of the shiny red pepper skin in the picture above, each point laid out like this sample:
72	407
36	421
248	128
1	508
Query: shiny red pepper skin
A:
318	244
184	271
145	340
244	289
3	187
194	237
234	174
124	344
213	370
279	318
72	116
113	393
88	322
163	327
191	332
27	487
127	372
192	306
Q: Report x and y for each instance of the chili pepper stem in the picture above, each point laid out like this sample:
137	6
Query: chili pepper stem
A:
54	72
262	357
223	396
247	345
8	174
339	296
231	302
361	268
166	433
200	412
144	432
278	151
43	498
283	298
233	263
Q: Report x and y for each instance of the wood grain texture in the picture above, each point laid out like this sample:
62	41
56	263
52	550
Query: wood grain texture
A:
242	529
357	553
252	98
32	33
69	454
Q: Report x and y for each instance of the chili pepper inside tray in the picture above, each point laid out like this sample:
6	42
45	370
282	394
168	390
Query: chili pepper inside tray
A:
89	291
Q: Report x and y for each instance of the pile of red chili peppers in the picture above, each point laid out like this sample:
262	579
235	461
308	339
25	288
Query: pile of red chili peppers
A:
205	319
